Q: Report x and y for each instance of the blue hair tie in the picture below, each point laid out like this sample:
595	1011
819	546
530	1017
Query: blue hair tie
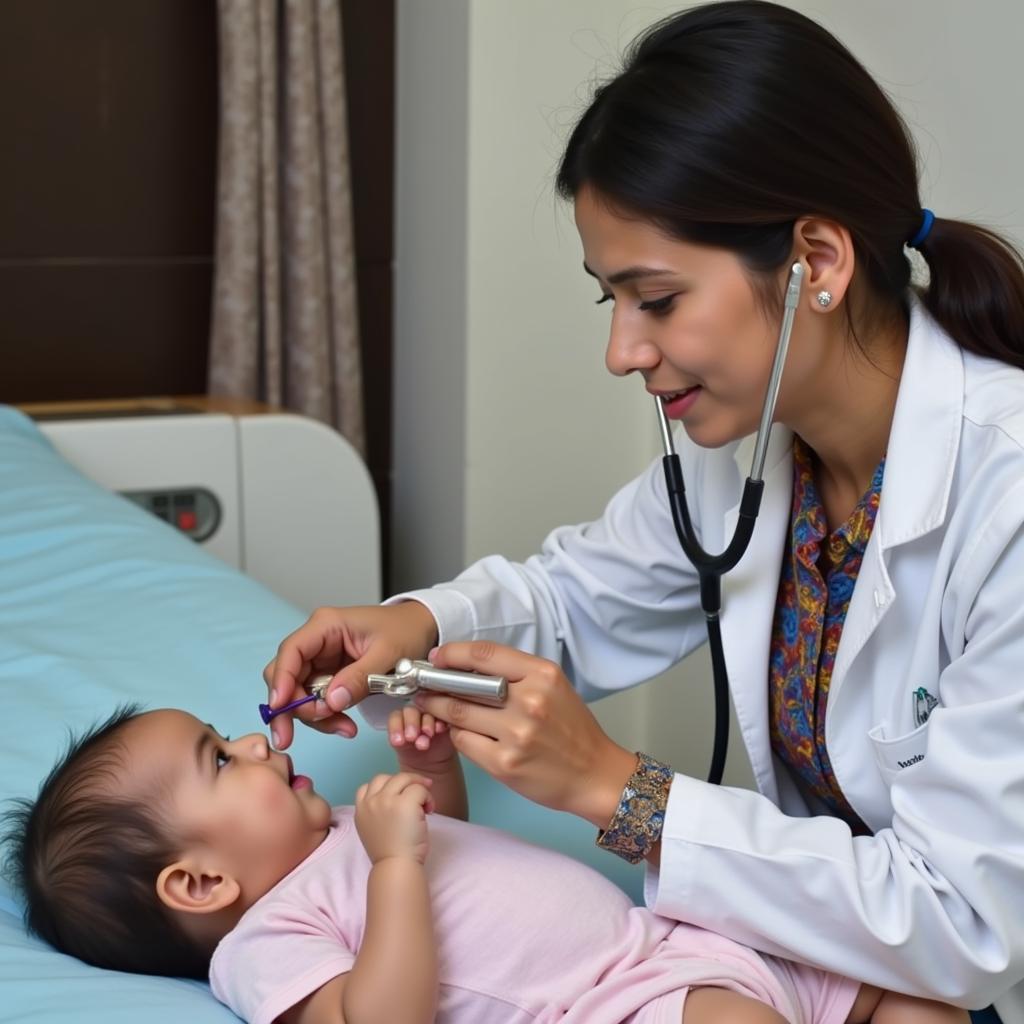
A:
922	231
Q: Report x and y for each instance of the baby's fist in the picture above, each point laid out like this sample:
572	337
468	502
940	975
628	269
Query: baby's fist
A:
421	741
391	816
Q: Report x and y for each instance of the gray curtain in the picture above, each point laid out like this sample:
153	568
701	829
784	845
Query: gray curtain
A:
284	325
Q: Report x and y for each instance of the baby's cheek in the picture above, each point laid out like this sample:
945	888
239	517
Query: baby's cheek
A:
275	795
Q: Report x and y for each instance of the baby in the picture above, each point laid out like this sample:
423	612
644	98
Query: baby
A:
158	846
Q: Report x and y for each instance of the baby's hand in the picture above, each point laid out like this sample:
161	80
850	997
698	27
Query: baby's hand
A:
391	816
422	742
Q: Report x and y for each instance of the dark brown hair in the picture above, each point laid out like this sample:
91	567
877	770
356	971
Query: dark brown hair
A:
87	863
730	121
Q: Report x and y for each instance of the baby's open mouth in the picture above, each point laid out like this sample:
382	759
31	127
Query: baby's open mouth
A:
295	780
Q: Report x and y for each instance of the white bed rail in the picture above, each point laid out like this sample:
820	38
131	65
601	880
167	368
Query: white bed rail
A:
297	508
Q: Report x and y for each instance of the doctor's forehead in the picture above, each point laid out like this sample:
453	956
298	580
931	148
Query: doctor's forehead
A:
619	247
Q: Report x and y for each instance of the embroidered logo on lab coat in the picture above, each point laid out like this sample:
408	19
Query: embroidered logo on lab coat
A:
924	704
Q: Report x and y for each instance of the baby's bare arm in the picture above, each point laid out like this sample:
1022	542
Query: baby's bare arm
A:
394	977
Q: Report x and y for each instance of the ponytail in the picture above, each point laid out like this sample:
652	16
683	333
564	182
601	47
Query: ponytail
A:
976	289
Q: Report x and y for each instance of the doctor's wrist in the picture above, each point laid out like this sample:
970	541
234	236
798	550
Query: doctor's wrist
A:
603	788
634	830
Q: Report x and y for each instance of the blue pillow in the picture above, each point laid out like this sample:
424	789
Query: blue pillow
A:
101	603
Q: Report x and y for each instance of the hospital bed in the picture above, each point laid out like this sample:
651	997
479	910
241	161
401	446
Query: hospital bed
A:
110	591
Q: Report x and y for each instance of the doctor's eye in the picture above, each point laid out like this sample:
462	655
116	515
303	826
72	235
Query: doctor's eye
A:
659	306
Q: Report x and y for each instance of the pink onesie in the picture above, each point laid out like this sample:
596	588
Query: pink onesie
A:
524	935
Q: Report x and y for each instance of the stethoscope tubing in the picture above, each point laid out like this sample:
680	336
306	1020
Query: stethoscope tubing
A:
710	568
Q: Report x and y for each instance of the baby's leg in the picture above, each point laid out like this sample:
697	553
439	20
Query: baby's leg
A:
896	1009
715	1005
873	1006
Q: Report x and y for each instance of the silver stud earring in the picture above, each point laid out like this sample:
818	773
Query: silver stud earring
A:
824	299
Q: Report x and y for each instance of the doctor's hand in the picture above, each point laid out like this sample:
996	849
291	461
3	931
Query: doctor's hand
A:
545	743
351	643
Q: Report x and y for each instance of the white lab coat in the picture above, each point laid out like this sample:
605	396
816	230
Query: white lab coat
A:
933	902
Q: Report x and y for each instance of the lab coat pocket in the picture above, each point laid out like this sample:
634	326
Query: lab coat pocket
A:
896	754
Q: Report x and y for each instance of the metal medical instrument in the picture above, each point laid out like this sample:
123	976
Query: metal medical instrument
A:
711	568
408	677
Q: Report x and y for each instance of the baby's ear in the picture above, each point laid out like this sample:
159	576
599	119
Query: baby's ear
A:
185	886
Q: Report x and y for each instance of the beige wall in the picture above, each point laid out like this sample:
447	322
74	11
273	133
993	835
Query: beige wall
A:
507	423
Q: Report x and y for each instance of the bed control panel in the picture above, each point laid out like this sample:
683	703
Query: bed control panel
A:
193	510
229	482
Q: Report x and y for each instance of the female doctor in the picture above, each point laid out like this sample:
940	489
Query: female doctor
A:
874	630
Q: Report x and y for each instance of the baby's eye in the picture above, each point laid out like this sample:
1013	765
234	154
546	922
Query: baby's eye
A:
222	759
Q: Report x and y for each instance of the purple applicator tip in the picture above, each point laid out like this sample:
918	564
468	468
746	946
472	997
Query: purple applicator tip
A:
267	712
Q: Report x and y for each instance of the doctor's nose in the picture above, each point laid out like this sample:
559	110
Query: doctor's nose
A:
629	349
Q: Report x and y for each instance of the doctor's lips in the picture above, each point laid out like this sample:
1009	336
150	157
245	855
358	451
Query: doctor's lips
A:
678	403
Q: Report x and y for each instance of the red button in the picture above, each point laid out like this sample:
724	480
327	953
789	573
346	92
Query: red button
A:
187	520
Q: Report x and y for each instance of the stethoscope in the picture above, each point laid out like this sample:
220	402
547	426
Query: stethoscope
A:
711	568
412	675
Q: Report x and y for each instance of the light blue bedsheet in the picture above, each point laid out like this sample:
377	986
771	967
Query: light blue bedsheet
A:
101	603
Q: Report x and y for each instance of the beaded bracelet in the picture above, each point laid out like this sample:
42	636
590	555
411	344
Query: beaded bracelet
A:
637	822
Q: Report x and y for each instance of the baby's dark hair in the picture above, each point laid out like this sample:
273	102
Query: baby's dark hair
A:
87	863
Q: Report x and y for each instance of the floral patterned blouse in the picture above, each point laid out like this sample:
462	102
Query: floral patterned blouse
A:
818	573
